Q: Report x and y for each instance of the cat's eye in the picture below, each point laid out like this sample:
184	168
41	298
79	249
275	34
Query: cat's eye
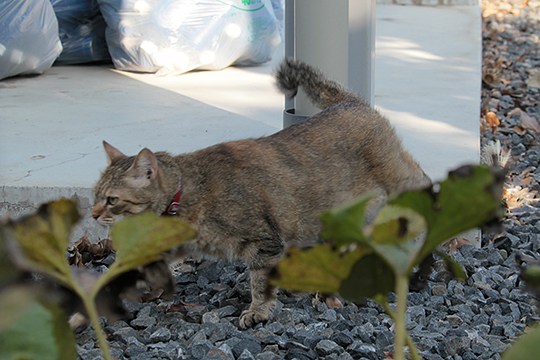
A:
112	200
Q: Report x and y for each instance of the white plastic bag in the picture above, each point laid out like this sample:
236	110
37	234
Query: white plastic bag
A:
29	42
81	30
176	36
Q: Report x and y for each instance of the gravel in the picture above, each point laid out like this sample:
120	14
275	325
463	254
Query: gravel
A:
476	319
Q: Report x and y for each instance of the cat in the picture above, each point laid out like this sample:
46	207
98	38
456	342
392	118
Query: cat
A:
251	199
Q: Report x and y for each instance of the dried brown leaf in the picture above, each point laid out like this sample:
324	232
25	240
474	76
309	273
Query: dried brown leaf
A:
176	308
76	259
454	244
493	121
491	76
101	249
83	244
526	181
333	302
181	306
85	251
517	196
519	130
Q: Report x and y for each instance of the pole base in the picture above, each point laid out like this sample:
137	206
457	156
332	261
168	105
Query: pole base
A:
290	118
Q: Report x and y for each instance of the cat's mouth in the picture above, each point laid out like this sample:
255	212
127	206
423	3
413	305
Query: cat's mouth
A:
109	220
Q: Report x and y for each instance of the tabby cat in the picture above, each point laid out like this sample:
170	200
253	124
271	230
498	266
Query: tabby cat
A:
250	199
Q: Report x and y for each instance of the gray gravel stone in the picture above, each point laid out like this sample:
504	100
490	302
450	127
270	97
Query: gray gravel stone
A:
134	347
199	349
225	348
439	289
246	355
296	353
124	333
143	321
328	315
171	350
217	354
250	344
267	355
360	350
210	317
496	344
343	339
160	335
383	339
93	354
327	347
344	356
454	320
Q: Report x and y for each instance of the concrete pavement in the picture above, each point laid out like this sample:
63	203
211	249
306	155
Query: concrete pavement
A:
427	81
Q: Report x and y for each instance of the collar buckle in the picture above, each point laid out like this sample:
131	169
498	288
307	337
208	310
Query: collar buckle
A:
172	209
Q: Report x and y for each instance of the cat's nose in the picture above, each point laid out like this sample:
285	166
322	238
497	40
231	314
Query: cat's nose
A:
96	212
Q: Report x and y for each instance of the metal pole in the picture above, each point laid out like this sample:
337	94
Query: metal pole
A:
336	36
362	48
289	47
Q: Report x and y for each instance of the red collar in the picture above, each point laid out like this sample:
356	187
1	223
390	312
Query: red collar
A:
172	209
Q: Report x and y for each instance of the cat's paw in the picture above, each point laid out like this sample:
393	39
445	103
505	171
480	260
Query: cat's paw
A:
250	318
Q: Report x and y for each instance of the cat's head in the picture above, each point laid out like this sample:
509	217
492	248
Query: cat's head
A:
128	186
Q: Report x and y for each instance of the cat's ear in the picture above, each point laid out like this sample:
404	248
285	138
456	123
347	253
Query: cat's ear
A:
145	167
112	153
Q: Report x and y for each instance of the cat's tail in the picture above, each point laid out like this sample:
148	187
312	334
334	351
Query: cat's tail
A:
291	74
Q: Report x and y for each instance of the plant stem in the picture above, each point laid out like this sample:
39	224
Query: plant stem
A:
92	313
402	289
412	347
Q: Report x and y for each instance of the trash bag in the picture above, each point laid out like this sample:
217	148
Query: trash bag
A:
176	36
279	11
81	30
29	42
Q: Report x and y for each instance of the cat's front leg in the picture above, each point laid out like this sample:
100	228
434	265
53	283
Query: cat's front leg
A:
263	299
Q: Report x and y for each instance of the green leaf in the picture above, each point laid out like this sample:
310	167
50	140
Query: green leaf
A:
320	268
469	198
14	301
396	237
142	239
396	225
44	238
370	277
399	257
531	275
527	346
8	270
345	224
40	333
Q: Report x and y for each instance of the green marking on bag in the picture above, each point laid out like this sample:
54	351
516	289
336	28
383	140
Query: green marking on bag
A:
244	5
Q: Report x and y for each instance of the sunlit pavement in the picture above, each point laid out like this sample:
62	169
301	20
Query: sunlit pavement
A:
427	81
